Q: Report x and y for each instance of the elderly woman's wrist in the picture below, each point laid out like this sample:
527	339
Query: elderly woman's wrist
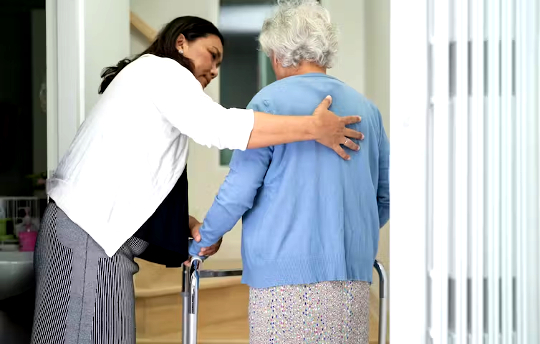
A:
193	222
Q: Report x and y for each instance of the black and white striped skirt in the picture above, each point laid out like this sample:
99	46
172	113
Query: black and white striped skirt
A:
82	295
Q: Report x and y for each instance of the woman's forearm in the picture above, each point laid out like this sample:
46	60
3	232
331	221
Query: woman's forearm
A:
193	222
270	130
323	126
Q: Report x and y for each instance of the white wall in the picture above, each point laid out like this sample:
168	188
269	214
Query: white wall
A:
83	37
377	50
350	18
157	13
106	41
205	174
364	49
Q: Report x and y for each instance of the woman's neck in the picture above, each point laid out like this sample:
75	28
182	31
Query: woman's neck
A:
303	68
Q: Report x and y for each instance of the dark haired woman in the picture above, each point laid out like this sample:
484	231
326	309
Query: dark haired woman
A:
120	191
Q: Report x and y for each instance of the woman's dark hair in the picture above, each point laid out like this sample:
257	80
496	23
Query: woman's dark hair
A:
165	45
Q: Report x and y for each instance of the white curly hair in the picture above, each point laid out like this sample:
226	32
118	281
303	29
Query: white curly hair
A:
300	30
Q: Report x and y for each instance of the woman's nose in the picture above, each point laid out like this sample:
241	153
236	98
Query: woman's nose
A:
214	72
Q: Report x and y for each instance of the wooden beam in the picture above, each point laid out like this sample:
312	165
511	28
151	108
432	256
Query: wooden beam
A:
145	29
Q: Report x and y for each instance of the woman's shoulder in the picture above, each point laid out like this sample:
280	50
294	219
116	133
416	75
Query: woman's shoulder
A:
270	96
153	64
153	71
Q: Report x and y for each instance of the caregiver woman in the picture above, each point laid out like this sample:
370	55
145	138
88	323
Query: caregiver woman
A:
122	184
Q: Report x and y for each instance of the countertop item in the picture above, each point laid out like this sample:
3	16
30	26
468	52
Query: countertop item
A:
9	244
16	273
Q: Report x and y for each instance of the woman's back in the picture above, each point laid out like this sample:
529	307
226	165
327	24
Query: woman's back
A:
311	217
315	211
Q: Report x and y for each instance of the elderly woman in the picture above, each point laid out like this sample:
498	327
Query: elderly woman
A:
310	220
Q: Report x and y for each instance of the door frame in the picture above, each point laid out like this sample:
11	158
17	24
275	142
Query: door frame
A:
65	85
408	172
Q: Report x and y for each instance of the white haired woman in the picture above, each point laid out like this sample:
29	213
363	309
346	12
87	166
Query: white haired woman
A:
310	221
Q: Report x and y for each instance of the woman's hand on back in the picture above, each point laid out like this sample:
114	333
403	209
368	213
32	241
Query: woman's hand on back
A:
331	129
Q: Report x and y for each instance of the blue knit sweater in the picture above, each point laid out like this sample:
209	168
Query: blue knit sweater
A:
308	215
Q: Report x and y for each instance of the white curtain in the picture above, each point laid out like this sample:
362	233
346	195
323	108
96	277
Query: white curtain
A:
469	95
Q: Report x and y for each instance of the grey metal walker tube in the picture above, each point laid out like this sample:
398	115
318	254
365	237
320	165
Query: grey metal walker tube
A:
383	300
185	304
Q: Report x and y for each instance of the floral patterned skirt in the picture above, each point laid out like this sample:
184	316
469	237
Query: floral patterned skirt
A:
327	312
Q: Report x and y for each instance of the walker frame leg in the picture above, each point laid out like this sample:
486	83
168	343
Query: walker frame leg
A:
190	302
190	298
383	299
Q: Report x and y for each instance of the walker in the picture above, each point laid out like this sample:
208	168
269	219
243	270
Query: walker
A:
190	296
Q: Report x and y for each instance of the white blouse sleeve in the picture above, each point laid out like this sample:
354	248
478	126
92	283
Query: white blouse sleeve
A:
180	98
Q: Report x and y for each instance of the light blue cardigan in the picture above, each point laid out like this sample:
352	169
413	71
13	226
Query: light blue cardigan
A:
308	215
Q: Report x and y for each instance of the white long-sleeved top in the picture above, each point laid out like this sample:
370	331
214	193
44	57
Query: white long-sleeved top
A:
133	146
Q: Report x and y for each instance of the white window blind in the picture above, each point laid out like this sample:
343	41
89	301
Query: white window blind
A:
479	196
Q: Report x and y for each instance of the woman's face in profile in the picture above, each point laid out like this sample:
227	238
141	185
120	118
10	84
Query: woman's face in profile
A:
206	53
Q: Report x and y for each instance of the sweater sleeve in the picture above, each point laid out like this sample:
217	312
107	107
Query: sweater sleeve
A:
237	194
383	190
180	98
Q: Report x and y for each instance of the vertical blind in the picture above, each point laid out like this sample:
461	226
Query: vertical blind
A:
483	154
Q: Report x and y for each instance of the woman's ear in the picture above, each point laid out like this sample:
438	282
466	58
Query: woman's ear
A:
274	61
180	42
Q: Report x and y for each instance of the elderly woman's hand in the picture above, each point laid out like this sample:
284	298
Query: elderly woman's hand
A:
332	131
194	227
210	251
